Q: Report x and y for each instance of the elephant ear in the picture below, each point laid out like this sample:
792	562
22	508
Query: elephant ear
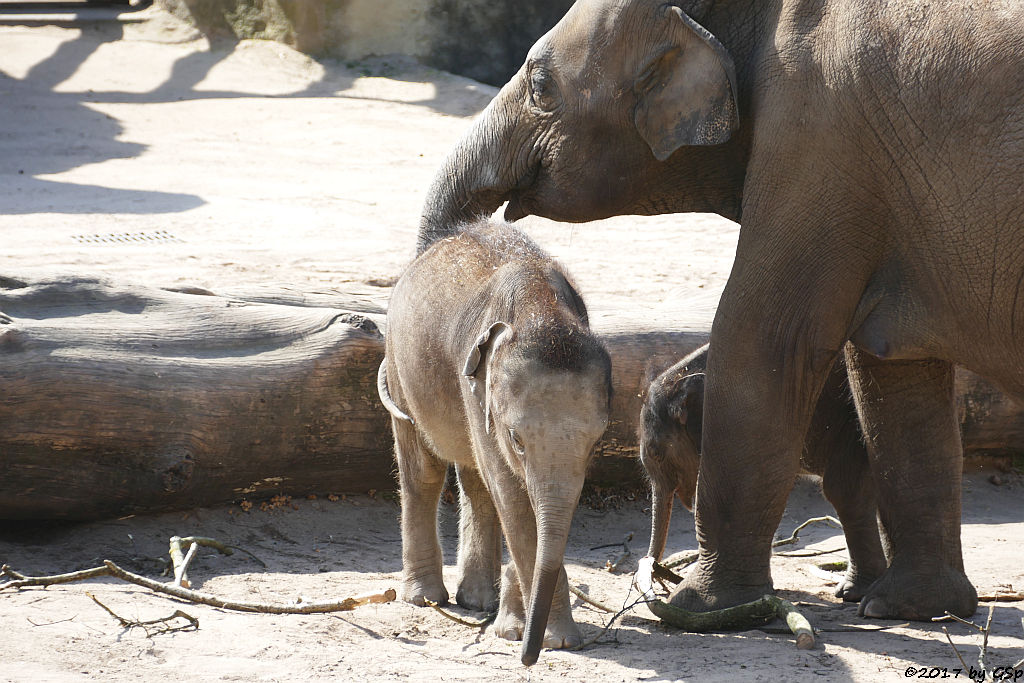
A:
687	93
688	407
478	365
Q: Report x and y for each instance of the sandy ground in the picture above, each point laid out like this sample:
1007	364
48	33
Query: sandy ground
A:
135	149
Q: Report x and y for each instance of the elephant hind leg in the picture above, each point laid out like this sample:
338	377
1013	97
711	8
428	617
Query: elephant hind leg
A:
421	477
835	447
912	434
479	544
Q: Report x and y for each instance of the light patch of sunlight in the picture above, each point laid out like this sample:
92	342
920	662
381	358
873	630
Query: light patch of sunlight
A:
104	70
282	70
390	90
24	50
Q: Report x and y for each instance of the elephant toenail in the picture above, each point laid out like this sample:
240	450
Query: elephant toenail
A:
875	609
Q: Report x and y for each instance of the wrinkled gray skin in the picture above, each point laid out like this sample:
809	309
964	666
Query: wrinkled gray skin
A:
670	436
490	364
872	152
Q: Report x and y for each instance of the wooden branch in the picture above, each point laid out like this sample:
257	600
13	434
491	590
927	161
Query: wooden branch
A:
459	620
745	616
608	625
179	563
111	569
589	600
796	532
956	651
1002	597
686	557
21	581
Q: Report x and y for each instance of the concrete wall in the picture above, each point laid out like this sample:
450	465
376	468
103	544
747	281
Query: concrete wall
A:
483	39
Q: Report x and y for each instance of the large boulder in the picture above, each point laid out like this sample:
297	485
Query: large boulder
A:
481	39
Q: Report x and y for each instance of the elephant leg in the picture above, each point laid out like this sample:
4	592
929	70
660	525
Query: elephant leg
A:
479	544
421	477
776	335
511	620
519	524
834	442
912	432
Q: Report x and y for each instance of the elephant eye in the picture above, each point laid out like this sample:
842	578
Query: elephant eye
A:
517	443
543	92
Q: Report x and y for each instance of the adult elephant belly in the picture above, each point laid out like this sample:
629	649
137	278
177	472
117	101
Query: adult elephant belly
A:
895	322
903	316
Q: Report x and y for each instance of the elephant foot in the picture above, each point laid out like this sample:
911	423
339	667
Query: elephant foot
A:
854	586
477	592
562	632
702	591
418	591
509	625
919	593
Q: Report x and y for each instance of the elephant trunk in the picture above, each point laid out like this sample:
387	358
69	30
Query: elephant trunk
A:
661	515
552	534
477	176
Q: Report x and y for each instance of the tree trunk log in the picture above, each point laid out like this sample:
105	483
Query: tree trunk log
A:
116	399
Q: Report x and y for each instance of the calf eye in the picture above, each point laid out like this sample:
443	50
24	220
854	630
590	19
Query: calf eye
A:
517	443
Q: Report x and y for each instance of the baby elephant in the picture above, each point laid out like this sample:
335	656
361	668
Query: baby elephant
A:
670	437
490	364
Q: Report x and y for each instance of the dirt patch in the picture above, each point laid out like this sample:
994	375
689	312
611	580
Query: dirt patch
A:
136	151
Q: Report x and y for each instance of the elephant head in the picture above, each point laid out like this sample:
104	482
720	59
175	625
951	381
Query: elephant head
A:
544	394
670	432
624	107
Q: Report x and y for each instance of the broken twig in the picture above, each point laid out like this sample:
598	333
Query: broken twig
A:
163	622
459	620
681	559
796	532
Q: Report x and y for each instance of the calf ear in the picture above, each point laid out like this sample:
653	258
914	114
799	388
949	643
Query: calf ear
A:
688	408
687	92
478	365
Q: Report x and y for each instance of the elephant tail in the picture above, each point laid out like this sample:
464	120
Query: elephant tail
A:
385	394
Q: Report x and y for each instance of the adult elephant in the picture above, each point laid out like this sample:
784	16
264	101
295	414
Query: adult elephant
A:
873	153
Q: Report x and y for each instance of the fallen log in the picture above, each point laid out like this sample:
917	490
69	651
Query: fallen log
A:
118	399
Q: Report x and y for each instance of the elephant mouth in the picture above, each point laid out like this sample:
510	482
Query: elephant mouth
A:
515	209
518	198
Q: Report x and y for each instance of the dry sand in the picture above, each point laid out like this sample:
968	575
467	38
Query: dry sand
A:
251	164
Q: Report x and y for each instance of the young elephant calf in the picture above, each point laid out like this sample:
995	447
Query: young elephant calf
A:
670	437
490	364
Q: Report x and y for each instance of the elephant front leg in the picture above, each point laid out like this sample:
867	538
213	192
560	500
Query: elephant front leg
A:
772	345
909	419
520	528
479	544
511	620
561	631
421	477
